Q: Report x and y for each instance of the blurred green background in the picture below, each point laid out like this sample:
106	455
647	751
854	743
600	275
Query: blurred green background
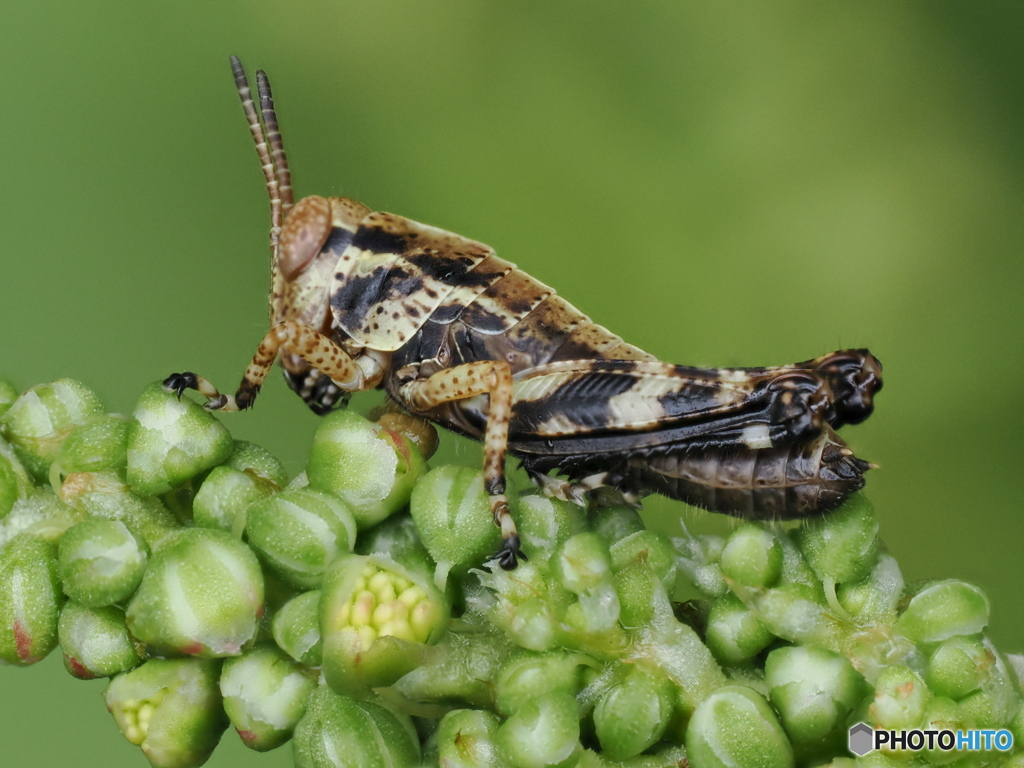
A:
725	185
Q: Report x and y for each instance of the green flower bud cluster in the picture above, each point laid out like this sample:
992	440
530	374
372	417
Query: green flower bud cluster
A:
352	612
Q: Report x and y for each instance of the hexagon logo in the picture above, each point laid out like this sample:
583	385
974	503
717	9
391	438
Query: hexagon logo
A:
861	739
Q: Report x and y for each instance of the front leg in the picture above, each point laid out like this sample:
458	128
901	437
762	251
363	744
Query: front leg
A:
487	377
289	337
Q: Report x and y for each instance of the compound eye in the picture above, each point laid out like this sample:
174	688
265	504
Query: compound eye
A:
303	235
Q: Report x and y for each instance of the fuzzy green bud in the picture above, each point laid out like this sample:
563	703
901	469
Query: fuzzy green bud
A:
900	699
202	595
258	463
95	641
171	708
370	468
814	691
105	495
296	628
842	545
340	732
39	421
299	533
616	523
30	599
452	512
733	633
543	733
544	523
101	444
101	562
639	589
698	560
8	394
582	563
527	676
265	695
649	547
874	599
734	726
224	496
958	667
42	514
632	715
465	739
944	609
752	556
171	441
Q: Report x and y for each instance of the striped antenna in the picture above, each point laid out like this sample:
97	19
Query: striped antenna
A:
284	176
269	169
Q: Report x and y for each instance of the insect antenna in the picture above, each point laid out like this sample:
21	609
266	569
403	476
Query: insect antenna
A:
284	176
262	149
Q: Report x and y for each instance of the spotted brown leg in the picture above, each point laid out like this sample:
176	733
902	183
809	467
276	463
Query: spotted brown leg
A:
487	377
293	338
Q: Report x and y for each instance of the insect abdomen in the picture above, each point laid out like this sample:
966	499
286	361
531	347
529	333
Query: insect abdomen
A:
793	481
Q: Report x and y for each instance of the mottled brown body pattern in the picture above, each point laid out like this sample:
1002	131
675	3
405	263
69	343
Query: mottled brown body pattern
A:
460	337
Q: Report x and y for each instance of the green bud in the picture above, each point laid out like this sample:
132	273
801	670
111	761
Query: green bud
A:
595	612
734	634
544	523
95	641
258	463
396	539
201	595
370	468
12	486
544	732
814	691
452	512
615	523
752	556
465	739
265	695
998	700
650	547
794	612
462	667
633	715
944	609
42	514
101	562
39	421
640	590
30	599
529	675
795	569
8	394
699	562
958	667
224	496
105	495
171	441
680	654
376	618
171	708
296	628
900	699
299	533
582	563
101	444
734	726
874	599
842	545
943	714
340	732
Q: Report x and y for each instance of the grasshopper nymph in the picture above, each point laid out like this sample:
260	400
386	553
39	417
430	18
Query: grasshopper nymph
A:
455	335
